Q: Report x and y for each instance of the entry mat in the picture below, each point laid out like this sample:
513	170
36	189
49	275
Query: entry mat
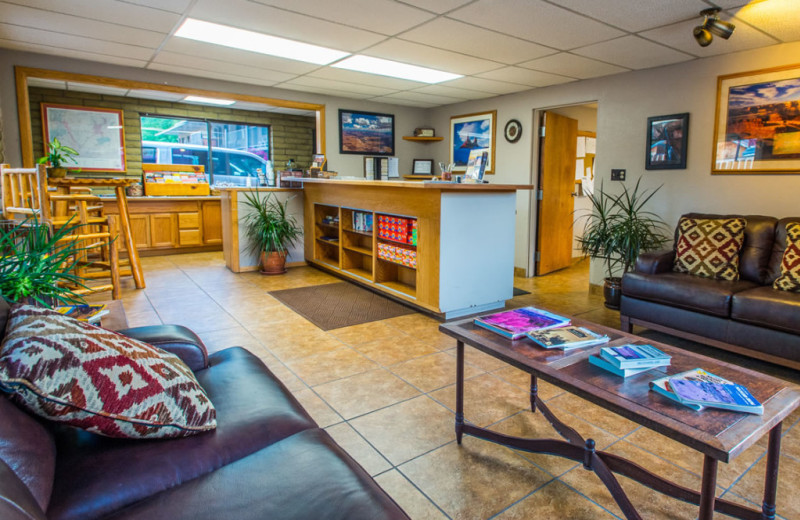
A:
341	304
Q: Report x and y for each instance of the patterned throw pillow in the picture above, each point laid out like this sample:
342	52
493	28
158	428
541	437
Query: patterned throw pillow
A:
71	372
709	247
789	280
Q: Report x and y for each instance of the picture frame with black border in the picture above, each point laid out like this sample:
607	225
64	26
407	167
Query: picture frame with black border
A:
366	133
667	142
422	167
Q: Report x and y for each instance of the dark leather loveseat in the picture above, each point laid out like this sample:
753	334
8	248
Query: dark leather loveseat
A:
746	316
267	459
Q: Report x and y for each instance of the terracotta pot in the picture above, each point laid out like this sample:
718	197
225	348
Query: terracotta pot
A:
612	290
273	262
56	172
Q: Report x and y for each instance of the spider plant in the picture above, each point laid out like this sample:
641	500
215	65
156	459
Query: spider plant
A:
269	227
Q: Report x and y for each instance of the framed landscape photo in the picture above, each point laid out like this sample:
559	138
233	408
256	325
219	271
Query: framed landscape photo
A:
757	127
667	138
366	133
96	134
469	132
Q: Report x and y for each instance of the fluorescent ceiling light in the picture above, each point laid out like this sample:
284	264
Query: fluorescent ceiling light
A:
208	100
257	42
394	69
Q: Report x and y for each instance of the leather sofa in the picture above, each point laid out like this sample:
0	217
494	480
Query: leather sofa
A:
266	459
746	316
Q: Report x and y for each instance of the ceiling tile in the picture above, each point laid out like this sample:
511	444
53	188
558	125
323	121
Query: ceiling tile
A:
278	22
221	67
206	73
326	91
111	11
729	4
339	85
532	78
351	76
79	55
421	97
476	41
228	54
96	89
779	18
679	36
403	102
486	85
176	6
66	24
383	16
638	15
633	52
567	64
453	92
536	21
71	42
438	6
422	55
158	95
47	83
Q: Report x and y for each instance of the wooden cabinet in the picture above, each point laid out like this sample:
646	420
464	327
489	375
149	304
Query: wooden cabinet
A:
212	223
162	230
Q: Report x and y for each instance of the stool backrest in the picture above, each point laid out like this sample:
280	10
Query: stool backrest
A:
24	192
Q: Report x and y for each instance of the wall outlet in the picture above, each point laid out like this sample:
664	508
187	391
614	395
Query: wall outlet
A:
617	175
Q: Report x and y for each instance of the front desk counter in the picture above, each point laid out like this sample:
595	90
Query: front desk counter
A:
463	259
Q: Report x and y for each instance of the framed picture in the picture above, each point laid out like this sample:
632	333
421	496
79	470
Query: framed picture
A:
469	132
96	134
422	167
366	133
757	126
667	138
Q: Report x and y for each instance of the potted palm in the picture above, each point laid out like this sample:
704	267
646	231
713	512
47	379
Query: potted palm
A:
57	156
617	230
270	230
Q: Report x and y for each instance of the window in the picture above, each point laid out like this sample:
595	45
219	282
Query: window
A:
236	150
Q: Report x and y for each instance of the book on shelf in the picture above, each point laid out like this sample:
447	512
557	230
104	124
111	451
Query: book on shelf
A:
566	338
725	396
598	361
634	355
515	323
662	385
88	313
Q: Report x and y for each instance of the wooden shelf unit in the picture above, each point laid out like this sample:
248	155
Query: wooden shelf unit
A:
422	139
327	251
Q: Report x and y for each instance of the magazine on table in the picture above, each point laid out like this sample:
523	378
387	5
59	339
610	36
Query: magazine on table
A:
88	313
515	323
725	396
635	356
662	386
598	361
566	338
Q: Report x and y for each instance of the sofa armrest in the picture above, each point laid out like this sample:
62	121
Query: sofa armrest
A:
655	262
16	500
175	339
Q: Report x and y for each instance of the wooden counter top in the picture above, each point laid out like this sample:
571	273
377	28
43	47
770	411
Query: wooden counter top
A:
254	188
166	198
443	186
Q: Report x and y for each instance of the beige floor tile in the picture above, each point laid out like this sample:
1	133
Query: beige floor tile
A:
411	499
596	415
431	372
487	399
143	318
303	344
751	486
355	445
482	478
330	366
365	392
233	337
522	379
479	359
389	351
365	332
407	429
555	500
318	409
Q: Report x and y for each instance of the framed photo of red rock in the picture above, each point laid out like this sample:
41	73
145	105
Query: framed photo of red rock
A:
469	132
366	133
757	126
667	138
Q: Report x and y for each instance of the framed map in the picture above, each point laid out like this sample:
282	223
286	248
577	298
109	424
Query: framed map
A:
95	133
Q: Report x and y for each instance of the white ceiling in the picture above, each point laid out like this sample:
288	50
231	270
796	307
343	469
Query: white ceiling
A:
500	46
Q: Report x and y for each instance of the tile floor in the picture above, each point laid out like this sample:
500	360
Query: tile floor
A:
385	392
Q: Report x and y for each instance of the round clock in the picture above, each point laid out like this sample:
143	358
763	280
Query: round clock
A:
513	131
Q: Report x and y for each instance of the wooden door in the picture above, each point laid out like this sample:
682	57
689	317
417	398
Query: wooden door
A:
140	229
212	223
558	147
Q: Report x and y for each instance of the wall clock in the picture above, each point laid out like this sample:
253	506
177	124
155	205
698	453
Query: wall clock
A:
513	131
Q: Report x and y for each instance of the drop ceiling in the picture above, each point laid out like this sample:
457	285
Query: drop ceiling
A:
499	46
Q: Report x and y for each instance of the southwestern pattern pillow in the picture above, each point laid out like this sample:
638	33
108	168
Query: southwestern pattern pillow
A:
709	247
789	280
71	372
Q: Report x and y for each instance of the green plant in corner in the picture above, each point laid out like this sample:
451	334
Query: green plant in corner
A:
57	157
270	229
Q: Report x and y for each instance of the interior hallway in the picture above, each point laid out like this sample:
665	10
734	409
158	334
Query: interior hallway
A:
385	391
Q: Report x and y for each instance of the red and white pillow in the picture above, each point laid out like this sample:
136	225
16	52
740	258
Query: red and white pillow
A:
789	280
71	372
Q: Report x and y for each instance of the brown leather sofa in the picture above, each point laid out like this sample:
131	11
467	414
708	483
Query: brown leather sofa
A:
266	459
747	316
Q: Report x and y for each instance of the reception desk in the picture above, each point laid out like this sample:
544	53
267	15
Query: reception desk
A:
462	261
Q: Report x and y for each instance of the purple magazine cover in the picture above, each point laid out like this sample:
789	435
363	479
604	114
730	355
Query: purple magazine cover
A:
519	321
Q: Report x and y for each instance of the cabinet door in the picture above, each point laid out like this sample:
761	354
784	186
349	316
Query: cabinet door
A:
212	222
140	229
163	227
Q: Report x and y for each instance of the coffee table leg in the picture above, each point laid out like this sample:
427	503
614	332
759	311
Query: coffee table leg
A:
708	489
459	390
771	479
534	392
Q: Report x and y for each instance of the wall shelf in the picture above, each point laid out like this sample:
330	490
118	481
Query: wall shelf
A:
422	139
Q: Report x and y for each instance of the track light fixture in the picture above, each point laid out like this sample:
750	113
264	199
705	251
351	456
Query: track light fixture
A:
712	25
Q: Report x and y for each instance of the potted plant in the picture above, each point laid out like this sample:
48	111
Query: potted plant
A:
57	155
37	266
270	230
617	230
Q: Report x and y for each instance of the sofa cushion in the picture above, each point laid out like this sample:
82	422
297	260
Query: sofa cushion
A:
98	475
709	247
685	291
789	280
767	307
71	372
304	476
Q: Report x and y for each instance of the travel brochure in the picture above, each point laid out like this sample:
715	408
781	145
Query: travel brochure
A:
514	324
566	338
598	361
87	313
706	390
635	356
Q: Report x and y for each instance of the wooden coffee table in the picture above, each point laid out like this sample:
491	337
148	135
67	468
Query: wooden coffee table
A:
719	435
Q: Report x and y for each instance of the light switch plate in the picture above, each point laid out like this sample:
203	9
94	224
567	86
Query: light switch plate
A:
618	175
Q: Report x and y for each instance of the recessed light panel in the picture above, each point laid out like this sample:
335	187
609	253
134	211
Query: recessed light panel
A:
394	69
208	101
